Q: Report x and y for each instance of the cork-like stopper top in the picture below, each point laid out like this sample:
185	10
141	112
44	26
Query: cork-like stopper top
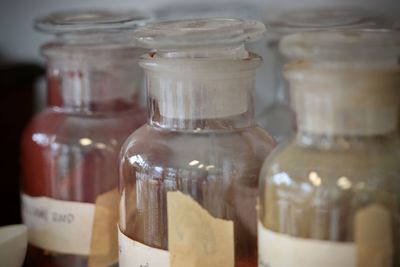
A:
200	68
345	82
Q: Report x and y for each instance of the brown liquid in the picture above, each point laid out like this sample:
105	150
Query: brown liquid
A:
228	193
69	171
37	257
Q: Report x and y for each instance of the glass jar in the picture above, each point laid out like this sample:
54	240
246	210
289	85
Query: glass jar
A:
330	196
70	150
189	177
278	117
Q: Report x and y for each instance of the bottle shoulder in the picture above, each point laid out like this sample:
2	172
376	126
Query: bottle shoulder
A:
298	162
246	138
63	128
153	146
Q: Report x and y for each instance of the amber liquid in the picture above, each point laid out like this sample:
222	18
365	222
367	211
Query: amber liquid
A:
56	165
227	191
151	225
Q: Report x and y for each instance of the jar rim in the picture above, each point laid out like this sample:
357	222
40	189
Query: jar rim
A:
209	65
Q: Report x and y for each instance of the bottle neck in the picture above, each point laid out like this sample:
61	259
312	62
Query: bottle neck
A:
230	122
201	94
344	102
90	83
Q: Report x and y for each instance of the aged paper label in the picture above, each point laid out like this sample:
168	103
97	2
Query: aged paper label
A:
58	226
104	243
373	236
195	238
279	250
135	254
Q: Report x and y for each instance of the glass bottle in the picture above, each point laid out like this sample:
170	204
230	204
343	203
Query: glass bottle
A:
278	117
189	177
70	150
330	196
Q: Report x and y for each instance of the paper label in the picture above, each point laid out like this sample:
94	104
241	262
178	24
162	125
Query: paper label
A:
135	254
58	226
104	245
195	238
374	237
279	250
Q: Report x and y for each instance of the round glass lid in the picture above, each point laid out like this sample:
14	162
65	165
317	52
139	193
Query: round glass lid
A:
199	33
90	20
325	18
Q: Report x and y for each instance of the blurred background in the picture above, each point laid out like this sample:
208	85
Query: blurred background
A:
19	42
22	68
